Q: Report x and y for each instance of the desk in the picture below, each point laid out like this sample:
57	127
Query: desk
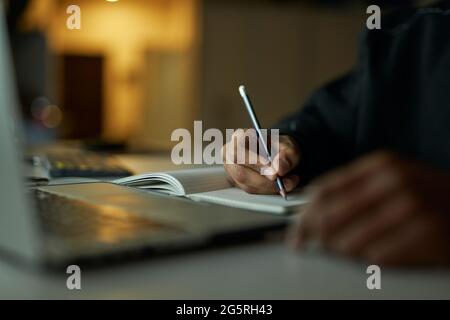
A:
251	271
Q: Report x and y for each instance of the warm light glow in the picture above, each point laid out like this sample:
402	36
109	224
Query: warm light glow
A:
125	35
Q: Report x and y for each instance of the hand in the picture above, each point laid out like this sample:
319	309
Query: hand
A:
247	174
383	209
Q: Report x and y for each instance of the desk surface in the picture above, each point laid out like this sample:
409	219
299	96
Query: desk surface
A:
265	270
253	271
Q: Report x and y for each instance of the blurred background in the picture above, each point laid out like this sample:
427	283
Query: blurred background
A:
138	69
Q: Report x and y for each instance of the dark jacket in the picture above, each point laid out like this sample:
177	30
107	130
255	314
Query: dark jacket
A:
397	97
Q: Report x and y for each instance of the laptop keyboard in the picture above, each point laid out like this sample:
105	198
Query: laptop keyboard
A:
84	164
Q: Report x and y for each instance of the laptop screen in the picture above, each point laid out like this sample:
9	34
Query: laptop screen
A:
17	229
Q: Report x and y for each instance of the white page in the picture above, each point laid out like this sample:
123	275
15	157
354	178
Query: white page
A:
209	184
180	182
234	197
202	179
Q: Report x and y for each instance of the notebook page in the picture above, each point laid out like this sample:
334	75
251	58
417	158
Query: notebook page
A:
233	197
201	179
162	182
180	182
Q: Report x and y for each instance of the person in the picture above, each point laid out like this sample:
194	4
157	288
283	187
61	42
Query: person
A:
373	148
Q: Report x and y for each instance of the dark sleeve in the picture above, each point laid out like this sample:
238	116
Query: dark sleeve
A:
324	128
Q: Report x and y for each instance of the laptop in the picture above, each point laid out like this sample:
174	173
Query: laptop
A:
58	225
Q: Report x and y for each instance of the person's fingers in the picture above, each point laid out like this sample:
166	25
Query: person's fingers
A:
246	144
371	210
284	151
244	149
252	182
286	159
260	165
239	151
250	170
358	234
291	182
249	180
328	213
354	172
417	241
348	205
313	222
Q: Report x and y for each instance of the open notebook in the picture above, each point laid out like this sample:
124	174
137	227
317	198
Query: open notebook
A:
209	184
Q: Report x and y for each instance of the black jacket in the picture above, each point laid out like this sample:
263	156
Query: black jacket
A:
397	97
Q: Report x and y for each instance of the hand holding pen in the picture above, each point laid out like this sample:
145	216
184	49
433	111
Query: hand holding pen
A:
247	176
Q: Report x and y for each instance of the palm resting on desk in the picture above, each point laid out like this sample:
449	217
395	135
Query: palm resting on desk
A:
382	208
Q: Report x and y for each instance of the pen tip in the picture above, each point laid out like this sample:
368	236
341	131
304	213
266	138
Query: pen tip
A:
283	194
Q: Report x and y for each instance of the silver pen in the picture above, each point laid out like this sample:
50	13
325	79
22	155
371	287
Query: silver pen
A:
256	125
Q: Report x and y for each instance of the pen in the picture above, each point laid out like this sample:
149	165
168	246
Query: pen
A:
256	125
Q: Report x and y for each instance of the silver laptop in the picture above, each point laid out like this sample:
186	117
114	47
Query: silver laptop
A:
58	225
